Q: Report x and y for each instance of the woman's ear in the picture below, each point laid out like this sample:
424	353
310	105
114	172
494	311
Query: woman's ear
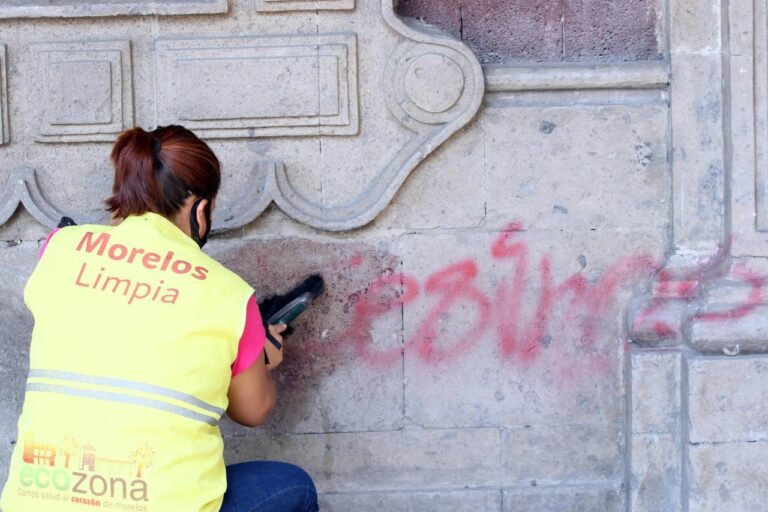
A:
202	218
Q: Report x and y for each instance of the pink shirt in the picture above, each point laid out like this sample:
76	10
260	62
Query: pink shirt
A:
252	340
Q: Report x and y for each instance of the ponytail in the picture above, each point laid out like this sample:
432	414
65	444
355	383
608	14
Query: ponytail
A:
156	171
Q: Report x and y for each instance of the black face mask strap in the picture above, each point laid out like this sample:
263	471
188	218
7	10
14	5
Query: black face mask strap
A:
195	226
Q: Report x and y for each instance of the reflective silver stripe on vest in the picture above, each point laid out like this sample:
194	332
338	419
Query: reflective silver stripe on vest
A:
125	384
122	398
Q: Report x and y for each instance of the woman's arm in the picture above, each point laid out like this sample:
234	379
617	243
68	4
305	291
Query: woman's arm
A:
252	392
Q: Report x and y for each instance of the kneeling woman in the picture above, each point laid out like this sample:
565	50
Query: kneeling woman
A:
141	343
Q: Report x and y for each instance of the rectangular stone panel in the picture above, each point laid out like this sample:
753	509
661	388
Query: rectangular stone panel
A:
302	5
728	477
760	105
655	391
86	90
656	477
260	86
71	8
725	399
4	135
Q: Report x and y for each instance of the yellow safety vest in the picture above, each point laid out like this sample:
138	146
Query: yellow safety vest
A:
135	332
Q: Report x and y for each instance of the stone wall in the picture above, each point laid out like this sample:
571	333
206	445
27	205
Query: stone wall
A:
506	31
545	281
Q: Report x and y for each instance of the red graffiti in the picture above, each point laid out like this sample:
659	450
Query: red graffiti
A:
374	304
453	284
521	334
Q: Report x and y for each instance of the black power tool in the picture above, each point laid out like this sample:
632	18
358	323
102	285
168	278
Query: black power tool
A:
283	309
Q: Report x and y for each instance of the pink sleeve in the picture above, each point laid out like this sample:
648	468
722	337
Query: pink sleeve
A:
252	341
45	244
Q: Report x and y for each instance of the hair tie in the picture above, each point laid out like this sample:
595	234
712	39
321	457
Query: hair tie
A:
156	146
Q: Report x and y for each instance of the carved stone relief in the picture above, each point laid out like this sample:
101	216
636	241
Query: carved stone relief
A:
4	129
714	200
260	86
71	8
339	119
760	121
433	85
85	90
22	188
303	5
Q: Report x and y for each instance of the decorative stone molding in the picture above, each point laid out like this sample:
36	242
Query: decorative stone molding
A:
22	188
432	83
308	91
303	5
720	175
433	86
642	75
73	9
264	86
85	90
4	123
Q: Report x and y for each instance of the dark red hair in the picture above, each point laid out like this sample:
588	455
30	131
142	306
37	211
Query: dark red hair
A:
156	171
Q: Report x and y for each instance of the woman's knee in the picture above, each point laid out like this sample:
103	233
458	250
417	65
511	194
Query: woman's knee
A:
299	485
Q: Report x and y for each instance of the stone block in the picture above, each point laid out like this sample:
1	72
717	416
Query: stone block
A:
623	30
85	90
5	135
324	384
447	190
381	461
559	499
696	26
722	399
659	322
480	341
656	478
303	5
550	456
552	184
446	15
548	31
728	477
504	31
260	86
742	331
697	153
656	391
443	501
70	8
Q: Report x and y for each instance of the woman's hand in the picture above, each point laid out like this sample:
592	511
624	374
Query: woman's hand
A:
274	354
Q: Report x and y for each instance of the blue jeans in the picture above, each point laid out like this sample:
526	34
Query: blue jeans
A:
266	486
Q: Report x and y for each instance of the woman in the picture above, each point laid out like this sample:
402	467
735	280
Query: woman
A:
141	342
